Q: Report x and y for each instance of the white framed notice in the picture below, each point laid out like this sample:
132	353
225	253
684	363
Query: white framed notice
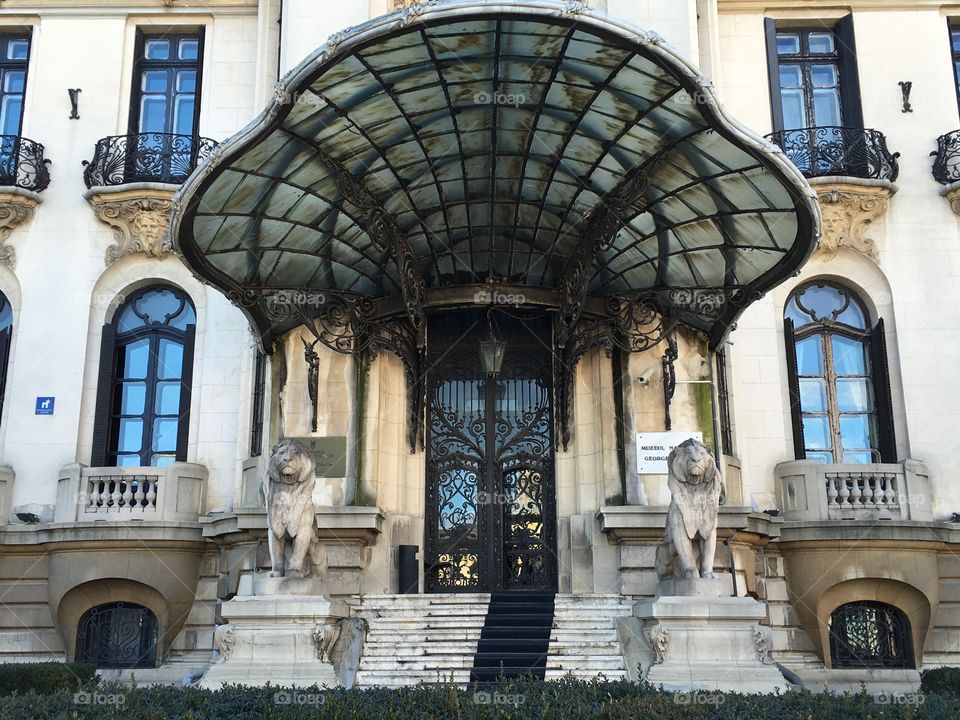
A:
654	447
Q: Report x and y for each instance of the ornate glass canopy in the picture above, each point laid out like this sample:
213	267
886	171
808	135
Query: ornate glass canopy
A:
462	144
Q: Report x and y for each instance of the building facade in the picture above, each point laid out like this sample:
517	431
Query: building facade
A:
341	257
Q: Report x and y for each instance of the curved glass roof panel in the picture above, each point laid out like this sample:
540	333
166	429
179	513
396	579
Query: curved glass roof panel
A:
488	137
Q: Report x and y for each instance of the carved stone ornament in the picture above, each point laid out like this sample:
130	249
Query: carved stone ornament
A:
659	639
325	637
140	220
225	636
763	639
952	195
288	488
15	208
847	213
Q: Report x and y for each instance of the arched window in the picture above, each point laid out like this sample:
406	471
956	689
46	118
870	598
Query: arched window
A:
6	335
146	366
870	634
839	386
118	635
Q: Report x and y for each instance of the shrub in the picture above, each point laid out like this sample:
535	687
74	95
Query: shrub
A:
945	681
45	678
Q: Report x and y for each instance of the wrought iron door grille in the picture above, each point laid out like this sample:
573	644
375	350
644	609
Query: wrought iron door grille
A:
490	467
870	635
118	635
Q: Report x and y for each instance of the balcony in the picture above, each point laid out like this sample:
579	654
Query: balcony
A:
172	494
22	164
838	152
946	166
146	158
808	491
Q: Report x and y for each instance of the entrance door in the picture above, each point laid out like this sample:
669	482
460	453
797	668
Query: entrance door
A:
491	516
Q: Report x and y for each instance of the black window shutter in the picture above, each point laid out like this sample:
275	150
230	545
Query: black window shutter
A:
102	420
186	382
793	380
5	337
849	77
886	438
773	70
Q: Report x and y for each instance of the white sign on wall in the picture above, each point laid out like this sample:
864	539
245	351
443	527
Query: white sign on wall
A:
654	447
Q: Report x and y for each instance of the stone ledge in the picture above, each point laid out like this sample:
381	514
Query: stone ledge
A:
858	531
350	522
16	207
80	534
138	213
646	522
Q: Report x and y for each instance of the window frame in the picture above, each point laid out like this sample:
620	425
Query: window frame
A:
141	64
953	26
17	34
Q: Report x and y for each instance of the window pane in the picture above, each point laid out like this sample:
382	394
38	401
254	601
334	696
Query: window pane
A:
858	457
187	81
813	395
853	395
820	457
189	49
823	76
853	316
794	113
849	356
170	363
158	305
183	115
165	435
131	435
18	49
826	107
791	76
788	43
156	49
810	356
816	432
128	461
168	398
133	398
821	42
13	81
134	359
10	111
822	300
155	81
855	431
153	114
162	460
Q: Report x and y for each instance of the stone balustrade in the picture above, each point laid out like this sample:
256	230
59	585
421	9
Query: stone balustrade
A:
163	494
808	491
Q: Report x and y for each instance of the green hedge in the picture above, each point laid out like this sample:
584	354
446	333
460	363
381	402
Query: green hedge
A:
566	699
45	678
941	680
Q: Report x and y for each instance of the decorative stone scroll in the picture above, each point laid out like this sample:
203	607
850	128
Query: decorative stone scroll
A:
140	219
848	211
16	207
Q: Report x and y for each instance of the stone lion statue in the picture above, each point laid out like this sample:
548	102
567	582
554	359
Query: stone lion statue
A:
696	493
288	489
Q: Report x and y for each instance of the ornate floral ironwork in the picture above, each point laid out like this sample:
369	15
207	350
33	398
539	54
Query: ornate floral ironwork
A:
147	157
22	164
833	150
870	634
946	167
118	635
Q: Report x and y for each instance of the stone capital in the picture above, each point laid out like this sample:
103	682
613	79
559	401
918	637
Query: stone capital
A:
16	207
848	210
139	217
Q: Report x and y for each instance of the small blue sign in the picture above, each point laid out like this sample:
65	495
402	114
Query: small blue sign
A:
45	405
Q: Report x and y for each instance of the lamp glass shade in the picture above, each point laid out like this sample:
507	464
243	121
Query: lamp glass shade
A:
491	355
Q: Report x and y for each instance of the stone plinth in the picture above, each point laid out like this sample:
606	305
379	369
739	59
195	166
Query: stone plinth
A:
708	643
282	633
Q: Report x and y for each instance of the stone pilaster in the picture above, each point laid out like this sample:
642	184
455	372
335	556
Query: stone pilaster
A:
16	207
849	208
139	216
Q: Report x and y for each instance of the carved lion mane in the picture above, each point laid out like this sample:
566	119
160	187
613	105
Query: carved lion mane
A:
288	489
696	492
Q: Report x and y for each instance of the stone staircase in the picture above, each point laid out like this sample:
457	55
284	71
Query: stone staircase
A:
429	639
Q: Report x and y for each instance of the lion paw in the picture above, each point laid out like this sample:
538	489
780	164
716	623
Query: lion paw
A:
709	575
276	573
690	574
296	574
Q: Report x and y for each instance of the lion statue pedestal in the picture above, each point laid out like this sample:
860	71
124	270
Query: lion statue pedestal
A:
699	636
281	627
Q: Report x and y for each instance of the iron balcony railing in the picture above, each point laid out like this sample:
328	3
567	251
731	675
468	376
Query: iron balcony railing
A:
842	151
946	167
22	164
147	157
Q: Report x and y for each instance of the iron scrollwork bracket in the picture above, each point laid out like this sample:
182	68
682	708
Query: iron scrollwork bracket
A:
313	377
669	380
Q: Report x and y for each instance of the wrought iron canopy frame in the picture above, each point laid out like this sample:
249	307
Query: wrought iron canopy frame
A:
379	174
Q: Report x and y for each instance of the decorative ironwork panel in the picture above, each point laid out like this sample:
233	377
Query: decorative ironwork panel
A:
22	164
490	465
870	635
832	150
946	167
147	157
118	635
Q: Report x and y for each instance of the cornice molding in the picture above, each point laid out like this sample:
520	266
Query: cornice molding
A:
139	217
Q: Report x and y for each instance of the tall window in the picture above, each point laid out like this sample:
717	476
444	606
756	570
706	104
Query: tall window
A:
955	50
167	83
14	55
870	635
118	635
813	76
143	401
838	378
